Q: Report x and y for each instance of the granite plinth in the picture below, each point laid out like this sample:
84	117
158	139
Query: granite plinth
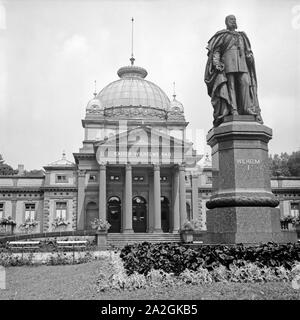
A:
242	205
248	225
240	164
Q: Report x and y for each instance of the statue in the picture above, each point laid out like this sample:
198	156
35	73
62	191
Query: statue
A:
230	74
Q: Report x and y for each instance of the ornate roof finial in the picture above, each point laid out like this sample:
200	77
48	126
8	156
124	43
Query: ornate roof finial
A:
174	94
95	88
132	58
64	155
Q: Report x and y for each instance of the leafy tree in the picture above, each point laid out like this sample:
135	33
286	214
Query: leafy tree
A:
294	163
6	169
279	165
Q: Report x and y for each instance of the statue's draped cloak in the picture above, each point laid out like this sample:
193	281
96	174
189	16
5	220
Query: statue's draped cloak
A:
216	80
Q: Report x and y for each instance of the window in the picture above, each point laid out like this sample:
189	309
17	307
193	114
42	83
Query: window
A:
1	210
138	178
208	179
295	209
61	210
61	178
92	178
29	212
114	178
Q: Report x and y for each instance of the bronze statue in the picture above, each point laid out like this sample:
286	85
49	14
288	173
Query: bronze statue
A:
230	74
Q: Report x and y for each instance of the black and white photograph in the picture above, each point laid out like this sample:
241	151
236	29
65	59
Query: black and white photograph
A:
149	153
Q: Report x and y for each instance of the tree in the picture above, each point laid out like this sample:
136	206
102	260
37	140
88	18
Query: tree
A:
294	163
6	169
279	165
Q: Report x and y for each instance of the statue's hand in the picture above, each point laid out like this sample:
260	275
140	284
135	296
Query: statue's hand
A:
220	66
250	58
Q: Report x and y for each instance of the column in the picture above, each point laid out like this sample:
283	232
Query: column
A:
128	200
102	192
176	214
182	195
157	201
80	200
195	209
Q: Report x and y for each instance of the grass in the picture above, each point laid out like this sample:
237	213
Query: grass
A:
79	282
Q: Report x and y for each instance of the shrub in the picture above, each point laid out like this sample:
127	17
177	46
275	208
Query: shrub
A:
13	260
158	278
201	276
175	258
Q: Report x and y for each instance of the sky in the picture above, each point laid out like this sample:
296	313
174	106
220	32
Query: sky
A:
52	51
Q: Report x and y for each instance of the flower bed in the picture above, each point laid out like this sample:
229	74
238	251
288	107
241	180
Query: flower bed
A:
175	258
164	265
119	279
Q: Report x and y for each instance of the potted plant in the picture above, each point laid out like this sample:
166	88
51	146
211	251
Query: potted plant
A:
28	226
101	226
187	231
288	222
59	222
8	223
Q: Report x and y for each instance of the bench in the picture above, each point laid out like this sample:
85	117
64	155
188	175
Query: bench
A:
24	244
72	244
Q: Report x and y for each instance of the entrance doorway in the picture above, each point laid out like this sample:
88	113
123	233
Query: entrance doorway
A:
188	211
92	213
165	214
139	214
114	214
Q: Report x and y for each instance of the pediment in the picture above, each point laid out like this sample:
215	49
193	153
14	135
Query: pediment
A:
144	145
141	136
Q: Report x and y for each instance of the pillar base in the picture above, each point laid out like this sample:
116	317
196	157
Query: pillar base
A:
157	231
248	225
128	231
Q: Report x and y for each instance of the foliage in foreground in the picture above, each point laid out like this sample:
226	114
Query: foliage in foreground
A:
175	258
54	258
118	279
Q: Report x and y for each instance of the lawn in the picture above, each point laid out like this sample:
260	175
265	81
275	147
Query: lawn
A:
79	282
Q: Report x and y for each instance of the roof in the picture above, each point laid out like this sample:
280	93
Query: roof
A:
133	90
63	162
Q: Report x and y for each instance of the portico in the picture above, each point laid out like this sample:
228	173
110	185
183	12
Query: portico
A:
141	192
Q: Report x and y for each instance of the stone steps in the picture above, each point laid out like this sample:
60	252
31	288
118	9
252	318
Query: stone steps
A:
122	239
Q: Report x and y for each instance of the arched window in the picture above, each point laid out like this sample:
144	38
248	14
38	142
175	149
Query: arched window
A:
139	200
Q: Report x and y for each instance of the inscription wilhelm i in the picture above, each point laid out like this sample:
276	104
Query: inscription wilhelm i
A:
248	162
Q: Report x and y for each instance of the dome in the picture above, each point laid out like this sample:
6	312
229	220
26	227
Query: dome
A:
176	105
133	90
94	103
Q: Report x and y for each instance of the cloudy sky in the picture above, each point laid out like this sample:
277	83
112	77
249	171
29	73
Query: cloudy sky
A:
52	51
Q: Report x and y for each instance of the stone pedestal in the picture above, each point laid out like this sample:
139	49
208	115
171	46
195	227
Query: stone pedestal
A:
101	239
242	206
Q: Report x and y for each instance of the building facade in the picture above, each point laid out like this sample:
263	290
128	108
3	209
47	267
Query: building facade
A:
135	169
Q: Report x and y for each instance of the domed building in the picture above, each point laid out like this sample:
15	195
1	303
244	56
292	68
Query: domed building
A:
135	169
132	165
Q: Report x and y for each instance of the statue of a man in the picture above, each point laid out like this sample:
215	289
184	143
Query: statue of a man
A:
230	74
